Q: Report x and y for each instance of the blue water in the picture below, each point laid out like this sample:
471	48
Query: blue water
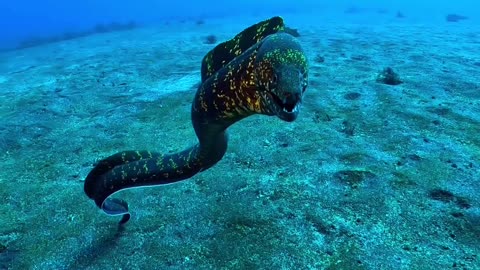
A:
24	19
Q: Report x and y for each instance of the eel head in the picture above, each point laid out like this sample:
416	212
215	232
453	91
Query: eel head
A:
282	75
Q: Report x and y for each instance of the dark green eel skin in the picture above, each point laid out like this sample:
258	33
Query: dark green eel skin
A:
262	70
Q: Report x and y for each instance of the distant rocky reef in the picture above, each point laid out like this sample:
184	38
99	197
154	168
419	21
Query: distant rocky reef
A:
99	28
455	17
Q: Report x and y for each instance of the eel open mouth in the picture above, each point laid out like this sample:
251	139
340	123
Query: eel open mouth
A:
287	108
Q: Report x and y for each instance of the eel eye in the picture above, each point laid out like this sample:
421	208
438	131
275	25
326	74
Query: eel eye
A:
274	78
304	88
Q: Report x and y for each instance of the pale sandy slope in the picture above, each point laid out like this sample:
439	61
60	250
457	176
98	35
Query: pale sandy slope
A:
369	177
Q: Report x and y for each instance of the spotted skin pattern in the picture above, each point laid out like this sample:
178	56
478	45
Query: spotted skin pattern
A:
262	70
224	52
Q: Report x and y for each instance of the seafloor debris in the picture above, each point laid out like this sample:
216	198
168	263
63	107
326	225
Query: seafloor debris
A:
399	15
388	76
210	39
319	59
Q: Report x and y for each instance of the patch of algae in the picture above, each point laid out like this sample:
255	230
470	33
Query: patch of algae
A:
345	258
427	172
353	178
171	108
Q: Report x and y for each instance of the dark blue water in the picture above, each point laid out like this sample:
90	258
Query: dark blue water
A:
25	19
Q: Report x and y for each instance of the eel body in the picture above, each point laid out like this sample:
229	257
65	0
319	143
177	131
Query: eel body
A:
262	70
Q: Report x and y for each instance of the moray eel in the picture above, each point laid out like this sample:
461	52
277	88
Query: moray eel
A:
262	70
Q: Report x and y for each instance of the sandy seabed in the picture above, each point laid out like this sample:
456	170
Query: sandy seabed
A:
370	176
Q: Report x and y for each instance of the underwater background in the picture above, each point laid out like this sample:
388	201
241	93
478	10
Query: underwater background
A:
381	170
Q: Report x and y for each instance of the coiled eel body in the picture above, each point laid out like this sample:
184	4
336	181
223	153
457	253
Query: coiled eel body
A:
262	70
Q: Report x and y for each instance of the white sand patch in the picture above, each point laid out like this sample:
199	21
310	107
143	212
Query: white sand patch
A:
168	86
176	84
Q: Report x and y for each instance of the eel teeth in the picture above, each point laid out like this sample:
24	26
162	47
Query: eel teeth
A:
294	109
